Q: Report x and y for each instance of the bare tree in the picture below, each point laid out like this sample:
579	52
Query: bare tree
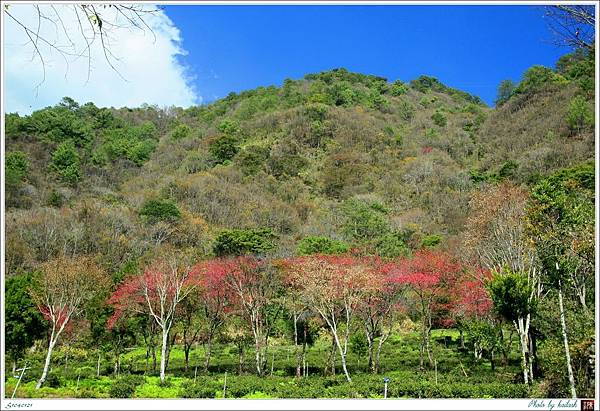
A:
332	287
572	25
95	28
496	239
60	290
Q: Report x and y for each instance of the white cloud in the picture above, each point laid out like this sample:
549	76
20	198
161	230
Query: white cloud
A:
149	63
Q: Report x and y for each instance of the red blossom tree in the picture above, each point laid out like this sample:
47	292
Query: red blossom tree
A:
430	276
214	298
254	285
472	311
377	306
157	292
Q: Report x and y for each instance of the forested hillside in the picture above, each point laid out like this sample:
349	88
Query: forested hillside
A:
334	170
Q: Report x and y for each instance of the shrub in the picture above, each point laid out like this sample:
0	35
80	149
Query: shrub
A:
398	88
237	242
252	159
55	199
321	245
181	131
439	119
507	169
377	101
58	124
316	111
257	394
391	245
202	389
53	381
160	210
286	160
505	91
86	393
124	387
431	240
406	111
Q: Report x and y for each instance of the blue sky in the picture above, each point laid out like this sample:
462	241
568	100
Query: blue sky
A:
200	53
234	48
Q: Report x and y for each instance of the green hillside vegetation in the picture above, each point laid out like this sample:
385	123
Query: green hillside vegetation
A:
334	163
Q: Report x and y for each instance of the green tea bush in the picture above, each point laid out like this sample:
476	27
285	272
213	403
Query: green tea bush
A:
53	381
203	388
124	387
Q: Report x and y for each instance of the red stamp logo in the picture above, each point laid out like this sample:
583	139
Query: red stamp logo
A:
587	405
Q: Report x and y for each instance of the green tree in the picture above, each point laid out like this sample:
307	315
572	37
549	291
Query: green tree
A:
364	221
23	322
250	241
321	245
224	148
391	245
561	221
510	292
155	210
580	115
538	76
252	159
505	91
181	131
16	166
65	162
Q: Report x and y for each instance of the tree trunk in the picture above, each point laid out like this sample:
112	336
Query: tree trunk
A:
98	366
519	325
207	353
563	324
370	338
170	344
241	358
154	358
378	354
51	344
186	354
163	354
425	346
343	358
331	359
296	350
462	339
305	333
257	357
